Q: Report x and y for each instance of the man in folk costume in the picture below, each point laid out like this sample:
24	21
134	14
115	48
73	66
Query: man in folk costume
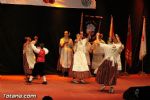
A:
98	52
107	72
66	53
39	68
28	58
80	69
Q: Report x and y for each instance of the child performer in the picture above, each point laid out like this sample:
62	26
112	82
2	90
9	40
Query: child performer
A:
39	68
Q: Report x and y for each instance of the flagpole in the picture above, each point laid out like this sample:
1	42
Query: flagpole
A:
142	71
81	22
125	70
99	26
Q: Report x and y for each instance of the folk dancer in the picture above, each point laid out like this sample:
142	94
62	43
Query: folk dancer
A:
39	68
80	69
28	58
66	53
107	72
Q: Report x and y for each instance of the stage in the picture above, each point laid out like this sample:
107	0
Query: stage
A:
61	88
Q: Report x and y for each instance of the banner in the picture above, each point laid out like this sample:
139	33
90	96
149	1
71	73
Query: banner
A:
142	52
128	48
84	4
91	25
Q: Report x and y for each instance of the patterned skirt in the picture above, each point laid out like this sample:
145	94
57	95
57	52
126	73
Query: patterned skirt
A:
27	71
107	74
60	68
80	75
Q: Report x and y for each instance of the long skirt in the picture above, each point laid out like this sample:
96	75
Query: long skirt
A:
107	74
81	75
80	68
27	70
39	69
65	59
61	69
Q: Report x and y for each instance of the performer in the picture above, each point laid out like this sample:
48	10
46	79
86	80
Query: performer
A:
39	68
98	52
66	53
107	71
28	58
88	49
117	42
80	69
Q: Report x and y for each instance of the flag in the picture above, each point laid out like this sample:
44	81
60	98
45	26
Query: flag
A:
142	52
128	48
111	31
84	4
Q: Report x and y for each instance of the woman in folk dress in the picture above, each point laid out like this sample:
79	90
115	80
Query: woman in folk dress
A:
28	58
107	72
66	53
80	69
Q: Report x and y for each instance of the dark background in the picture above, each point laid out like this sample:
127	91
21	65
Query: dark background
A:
18	21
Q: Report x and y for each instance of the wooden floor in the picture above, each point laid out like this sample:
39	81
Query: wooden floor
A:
61	88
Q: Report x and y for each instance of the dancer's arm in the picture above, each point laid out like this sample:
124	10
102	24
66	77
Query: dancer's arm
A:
35	49
46	50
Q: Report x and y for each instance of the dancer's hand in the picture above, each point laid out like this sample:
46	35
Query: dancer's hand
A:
33	42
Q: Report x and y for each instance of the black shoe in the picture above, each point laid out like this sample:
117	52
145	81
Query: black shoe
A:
111	90
94	75
29	81
45	82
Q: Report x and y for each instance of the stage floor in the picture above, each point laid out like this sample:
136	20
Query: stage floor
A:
61	88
